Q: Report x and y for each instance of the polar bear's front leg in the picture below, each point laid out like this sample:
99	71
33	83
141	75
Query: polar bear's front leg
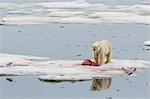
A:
96	58
101	59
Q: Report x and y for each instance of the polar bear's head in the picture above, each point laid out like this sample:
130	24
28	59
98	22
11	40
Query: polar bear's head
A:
101	84
96	85
95	47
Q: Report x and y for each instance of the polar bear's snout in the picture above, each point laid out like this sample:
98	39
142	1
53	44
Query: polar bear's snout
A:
95	49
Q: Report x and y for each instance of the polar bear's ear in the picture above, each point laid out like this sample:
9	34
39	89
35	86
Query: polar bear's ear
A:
99	47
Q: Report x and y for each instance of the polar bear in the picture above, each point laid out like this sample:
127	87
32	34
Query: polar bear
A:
102	51
101	84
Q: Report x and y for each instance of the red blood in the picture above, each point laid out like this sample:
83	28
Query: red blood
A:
89	62
86	62
95	64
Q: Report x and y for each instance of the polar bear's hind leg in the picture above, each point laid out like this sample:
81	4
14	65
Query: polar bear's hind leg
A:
101	59
109	56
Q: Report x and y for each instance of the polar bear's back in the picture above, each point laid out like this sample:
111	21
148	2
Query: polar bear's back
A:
105	44
105	41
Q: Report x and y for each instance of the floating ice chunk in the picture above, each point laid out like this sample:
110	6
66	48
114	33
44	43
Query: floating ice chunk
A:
120	17
27	19
147	43
64	5
147	2
74	12
139	9
79	20
65	69
65	13
8	5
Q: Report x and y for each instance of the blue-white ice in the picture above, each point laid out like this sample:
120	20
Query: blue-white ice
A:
70	69
147	43
79	12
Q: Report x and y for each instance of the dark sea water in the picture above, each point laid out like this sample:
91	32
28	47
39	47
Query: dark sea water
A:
71	41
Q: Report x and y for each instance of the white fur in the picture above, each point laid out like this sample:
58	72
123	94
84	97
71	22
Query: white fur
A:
101	84
102	51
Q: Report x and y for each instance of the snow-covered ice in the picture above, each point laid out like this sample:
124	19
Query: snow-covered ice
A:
48	69
74	12
147	43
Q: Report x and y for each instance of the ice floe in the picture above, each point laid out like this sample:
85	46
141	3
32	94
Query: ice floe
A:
74	12
48	69
147	43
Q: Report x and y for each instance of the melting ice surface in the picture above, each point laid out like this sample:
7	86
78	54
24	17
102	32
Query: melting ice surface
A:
73	12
